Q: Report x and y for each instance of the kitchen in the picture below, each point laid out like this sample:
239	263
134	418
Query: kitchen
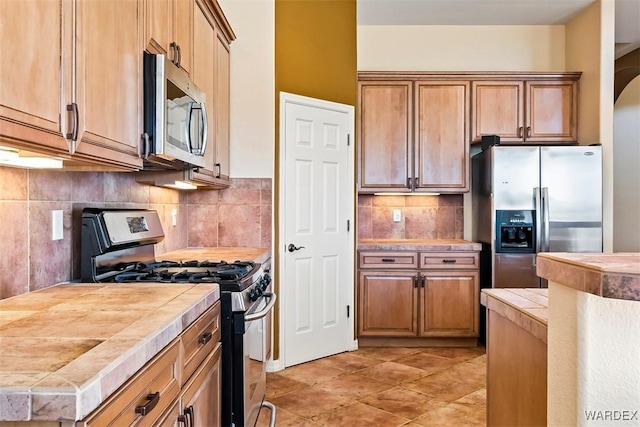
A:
34	194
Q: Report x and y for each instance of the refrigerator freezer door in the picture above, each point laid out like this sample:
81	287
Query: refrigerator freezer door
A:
516	172
572	177
515	271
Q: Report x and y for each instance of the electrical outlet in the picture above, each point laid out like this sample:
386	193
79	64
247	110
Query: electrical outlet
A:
57	225
397	215
174	217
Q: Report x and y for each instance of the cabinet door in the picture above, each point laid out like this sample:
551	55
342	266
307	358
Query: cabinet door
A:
183	32
158	25
109	81
498	109
387	304
449	304
384	136
552	111
32	85
222	106
201	396
442	136
203	75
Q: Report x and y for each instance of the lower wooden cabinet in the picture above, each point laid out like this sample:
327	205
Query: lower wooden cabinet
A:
449	304
143	399
199	402
167	391
388	303
438	299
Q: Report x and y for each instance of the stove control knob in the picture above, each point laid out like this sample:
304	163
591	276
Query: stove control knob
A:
265	281
254	294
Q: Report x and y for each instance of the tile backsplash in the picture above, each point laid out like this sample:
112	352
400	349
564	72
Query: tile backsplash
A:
30	260
421	217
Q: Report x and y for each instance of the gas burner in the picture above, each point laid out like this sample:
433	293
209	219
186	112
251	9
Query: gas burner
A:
230	276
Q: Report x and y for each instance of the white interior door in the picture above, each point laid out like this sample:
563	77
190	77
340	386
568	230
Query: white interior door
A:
316	228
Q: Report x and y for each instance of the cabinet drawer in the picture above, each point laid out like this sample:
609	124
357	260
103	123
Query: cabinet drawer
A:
388	260
124	407
448	260
199	340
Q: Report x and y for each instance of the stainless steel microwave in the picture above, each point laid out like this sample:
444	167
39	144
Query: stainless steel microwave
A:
175	117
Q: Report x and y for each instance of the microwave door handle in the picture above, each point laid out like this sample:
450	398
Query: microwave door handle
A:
187	128
205	128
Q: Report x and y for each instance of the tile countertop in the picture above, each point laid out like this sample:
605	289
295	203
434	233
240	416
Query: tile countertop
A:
610	275
526	307
425	245
66	348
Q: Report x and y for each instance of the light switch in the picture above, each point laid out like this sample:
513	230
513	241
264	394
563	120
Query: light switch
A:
397	215
57	225
174	217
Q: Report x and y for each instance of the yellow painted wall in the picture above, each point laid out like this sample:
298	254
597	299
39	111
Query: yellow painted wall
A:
315	56
316	49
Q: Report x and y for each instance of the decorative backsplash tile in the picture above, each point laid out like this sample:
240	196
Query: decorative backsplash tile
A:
238	216
422	217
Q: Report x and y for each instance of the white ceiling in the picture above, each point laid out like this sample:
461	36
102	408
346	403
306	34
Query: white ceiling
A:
494	12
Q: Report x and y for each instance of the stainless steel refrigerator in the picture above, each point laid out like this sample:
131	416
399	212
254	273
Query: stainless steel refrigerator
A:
531	199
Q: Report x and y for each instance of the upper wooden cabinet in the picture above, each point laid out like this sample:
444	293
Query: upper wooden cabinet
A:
74	86
108	81
168	30
211	70
414	136
535	111
442	136
385	144
32	87
222	107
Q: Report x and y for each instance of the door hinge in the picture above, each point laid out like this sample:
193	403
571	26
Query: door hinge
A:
348	225
348	139
348	310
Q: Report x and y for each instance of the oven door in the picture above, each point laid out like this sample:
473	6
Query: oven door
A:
257	351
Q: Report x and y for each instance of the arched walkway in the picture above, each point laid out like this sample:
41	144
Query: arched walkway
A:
627	68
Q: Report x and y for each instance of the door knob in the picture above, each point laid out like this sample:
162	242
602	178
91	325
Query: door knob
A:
293	247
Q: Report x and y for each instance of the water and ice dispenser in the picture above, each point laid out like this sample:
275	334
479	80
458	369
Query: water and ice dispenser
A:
515	231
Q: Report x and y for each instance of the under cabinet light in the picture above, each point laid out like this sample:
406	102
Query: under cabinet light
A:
406	194
12	157
181	185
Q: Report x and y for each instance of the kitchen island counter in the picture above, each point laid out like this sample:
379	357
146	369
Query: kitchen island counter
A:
609	275
516	356
593	340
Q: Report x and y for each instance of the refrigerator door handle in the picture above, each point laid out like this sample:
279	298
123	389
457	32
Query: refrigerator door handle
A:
538	206
545	217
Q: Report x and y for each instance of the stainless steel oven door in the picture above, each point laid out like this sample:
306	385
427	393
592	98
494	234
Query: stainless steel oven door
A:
257	351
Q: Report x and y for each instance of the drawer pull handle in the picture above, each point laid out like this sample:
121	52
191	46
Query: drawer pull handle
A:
449	261
205	338
388	260
148	407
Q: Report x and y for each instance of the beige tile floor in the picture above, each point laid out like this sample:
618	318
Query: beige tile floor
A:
382	387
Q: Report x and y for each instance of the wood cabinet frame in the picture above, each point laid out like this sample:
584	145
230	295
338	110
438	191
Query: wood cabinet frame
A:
439	297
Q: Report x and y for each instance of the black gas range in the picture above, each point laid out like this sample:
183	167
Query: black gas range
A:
117	246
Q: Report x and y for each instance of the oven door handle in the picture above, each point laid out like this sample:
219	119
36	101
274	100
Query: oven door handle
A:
262	313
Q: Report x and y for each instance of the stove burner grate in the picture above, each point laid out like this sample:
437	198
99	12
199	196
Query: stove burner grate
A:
186	272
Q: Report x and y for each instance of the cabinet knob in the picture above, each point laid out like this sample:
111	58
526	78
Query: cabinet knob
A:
520	132
388	260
